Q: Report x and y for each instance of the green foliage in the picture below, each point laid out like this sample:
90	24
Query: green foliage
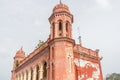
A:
113	76
17	63
40	43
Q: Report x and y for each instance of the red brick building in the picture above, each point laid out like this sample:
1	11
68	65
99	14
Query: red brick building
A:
59	58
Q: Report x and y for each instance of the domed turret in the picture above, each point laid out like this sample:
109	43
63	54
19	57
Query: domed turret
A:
20	53
61	22
61	8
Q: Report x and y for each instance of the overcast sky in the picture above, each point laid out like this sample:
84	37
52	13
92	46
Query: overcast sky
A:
25	22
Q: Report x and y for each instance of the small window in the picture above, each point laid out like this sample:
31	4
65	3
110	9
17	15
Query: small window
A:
60	25
37	70
45	70
60	34
53	29
31	74
67	26
17	63
26	75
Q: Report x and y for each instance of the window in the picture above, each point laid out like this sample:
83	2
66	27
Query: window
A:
53	29
26	75
17	63
22	76
60	25
67	26
37	70
31	74
44	70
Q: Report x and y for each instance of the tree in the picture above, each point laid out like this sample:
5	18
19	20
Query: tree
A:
40	43
113	76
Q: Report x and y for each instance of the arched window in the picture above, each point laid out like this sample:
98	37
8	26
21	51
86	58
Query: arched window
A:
53	52
60	25
38	72
16	77
67	26
53	29
22	76
31	78
26	75
53	71
45	70
19	76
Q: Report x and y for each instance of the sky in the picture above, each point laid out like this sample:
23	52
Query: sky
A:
24	22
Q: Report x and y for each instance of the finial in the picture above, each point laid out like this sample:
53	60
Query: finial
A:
21	47
80	41
97	50
60	2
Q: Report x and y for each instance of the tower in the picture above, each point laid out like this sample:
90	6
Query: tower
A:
61	44
58	58
20	55
61	22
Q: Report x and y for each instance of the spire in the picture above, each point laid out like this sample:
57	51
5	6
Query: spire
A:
80	41
21	47
60	2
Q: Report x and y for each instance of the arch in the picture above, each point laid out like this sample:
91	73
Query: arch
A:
53	70
22	76
37	72
26	75
31	78
53	24
67	25
60	25
16	77
45	70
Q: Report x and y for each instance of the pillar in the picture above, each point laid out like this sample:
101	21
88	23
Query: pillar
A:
29	74
64	29
34	73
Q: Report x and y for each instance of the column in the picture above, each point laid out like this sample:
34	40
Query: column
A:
29	74
25	75
51	31
64	29
41	72
34	73
56	30
21	76
70	30
18	77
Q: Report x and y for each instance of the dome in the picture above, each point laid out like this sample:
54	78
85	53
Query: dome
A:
20	53
60	8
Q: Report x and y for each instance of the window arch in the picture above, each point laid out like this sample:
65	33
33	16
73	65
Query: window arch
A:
53	27
38	72
60	25
45	70
26	75
19	76
67	25
22	75
16	77
31	78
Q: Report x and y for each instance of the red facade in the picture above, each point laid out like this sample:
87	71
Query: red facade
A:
59	58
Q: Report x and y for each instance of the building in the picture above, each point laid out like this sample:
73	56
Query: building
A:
59	58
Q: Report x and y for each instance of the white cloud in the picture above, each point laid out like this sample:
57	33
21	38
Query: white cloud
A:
104	3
